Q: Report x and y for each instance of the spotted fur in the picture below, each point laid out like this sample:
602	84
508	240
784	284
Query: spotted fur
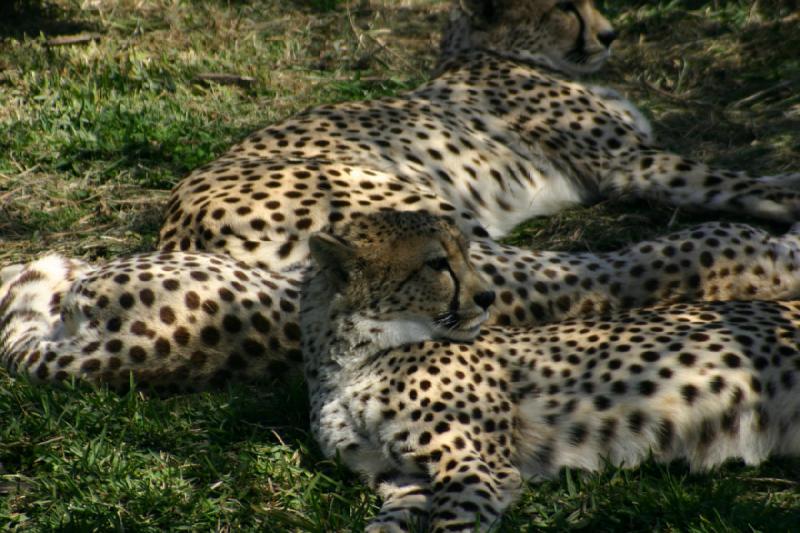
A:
173	322
503	132
187	320
447	430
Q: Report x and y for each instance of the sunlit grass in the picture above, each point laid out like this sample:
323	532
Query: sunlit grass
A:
93	136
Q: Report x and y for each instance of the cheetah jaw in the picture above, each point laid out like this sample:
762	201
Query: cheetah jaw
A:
393	333
466	330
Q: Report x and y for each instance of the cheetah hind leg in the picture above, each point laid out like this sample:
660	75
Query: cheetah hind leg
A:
31	296
787	180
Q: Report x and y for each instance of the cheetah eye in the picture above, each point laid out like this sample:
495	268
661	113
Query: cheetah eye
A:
566	6
440	264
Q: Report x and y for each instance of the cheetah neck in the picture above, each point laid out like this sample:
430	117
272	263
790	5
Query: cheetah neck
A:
460	38
340	340
456	38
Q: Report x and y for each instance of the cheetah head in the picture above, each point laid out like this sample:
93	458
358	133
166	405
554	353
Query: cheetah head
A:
403	277
569	35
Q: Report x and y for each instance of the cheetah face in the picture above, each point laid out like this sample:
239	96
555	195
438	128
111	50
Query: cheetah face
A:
570	35
406	277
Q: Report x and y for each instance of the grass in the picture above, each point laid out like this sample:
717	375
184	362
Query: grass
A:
93	135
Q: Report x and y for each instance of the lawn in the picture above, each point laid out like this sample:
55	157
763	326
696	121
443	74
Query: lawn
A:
94	133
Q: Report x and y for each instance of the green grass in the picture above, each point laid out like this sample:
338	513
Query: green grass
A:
92	137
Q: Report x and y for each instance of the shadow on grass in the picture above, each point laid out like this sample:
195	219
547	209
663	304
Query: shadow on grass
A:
723	83
20	18
659	497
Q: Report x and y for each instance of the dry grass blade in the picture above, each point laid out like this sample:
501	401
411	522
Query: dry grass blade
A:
66	40
764	93
774	480
225	79
92	138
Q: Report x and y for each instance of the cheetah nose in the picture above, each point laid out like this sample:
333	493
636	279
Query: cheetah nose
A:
607	37
484	299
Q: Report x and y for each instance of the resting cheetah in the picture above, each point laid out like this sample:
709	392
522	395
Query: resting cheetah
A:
184	320
447	430
502	133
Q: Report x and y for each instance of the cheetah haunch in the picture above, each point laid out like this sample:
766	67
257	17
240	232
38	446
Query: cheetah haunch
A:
447	430
502	133
184	320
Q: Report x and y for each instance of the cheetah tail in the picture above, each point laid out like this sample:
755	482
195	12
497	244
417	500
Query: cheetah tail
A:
7	274
30	306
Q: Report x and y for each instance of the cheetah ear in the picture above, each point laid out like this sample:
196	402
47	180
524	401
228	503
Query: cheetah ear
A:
480	11
332	256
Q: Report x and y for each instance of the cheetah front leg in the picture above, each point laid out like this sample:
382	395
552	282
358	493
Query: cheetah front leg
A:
469	493
406	504
684	182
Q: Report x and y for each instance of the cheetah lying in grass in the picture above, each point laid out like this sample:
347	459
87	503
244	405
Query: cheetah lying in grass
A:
500	134
181	321
446	420
503	132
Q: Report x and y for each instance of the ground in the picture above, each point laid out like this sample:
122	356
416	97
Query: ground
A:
94	134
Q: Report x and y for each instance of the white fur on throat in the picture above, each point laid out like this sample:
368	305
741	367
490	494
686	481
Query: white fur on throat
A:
384	334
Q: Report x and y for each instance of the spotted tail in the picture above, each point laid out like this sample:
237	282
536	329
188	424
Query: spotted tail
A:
31	320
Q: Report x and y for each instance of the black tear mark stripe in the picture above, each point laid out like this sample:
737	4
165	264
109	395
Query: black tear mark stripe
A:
580	42
454	302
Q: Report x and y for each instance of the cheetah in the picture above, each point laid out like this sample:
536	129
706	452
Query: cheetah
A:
174	322
185	321
504	131
447	418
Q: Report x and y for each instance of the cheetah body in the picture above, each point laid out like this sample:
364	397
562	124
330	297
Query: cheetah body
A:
187	320
173	322
503	132
489	141
448	431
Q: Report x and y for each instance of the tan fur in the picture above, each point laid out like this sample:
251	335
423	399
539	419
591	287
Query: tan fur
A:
503	132
447	432
62	318
500	134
